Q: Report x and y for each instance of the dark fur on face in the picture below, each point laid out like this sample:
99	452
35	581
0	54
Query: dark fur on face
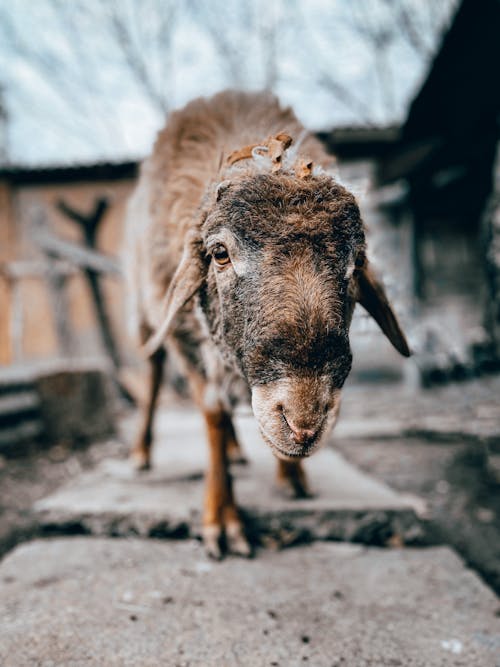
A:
284	307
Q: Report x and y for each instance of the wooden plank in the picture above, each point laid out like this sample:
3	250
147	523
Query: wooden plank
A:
19	269
84	258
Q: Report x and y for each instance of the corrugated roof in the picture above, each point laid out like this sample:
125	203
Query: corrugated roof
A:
101	171
347	142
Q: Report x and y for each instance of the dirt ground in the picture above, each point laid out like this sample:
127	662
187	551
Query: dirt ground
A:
462	498
449	470
37	472
449	467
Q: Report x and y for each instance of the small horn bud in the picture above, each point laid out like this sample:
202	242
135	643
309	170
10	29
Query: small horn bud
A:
304	168
285	139
277	146
241	154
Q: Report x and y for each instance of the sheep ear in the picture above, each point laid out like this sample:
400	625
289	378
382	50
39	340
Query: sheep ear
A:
372	296
221	188
186	281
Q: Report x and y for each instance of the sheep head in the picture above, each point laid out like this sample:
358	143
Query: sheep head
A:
279	265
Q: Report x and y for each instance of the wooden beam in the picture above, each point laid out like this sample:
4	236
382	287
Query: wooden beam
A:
19	269
89	224
83	257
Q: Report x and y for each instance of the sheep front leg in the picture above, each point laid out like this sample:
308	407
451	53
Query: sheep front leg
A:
221	516
292	477
141	452
234	451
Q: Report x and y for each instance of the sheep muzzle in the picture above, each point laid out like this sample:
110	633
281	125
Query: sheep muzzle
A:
296	414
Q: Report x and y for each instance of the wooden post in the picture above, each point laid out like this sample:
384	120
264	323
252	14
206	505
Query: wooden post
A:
60	306
6	351
56	273
89	225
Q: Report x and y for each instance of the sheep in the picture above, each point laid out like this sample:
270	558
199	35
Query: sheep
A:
245	258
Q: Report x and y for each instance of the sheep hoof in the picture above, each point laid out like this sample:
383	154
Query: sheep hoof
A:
238	459
140	462
236	456
212	541
293	491
219	541
292	480
237	543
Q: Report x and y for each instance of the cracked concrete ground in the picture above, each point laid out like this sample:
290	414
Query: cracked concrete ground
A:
113	500
92	600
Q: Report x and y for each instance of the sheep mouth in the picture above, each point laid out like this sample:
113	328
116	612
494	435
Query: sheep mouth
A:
289	456
293	454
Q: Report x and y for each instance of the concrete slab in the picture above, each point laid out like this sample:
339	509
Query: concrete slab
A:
347	503
92	601
435	427
466	410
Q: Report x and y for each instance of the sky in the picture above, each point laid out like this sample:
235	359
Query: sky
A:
93	80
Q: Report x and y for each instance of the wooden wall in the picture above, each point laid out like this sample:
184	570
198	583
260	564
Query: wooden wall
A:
36	335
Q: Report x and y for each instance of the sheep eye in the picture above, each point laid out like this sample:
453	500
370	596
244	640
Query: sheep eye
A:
220	255
359	262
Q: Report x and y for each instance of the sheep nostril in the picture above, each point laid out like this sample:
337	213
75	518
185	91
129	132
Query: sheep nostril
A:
301	436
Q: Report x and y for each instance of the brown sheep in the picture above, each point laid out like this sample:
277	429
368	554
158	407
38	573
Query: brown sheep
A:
246	257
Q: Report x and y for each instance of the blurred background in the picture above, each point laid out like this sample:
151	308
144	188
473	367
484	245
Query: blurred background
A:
403	92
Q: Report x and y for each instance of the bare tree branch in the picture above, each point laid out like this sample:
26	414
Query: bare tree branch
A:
413	33
344	95
92	63
229	54
134	58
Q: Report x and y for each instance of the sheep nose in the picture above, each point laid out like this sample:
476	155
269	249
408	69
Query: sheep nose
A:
299	434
